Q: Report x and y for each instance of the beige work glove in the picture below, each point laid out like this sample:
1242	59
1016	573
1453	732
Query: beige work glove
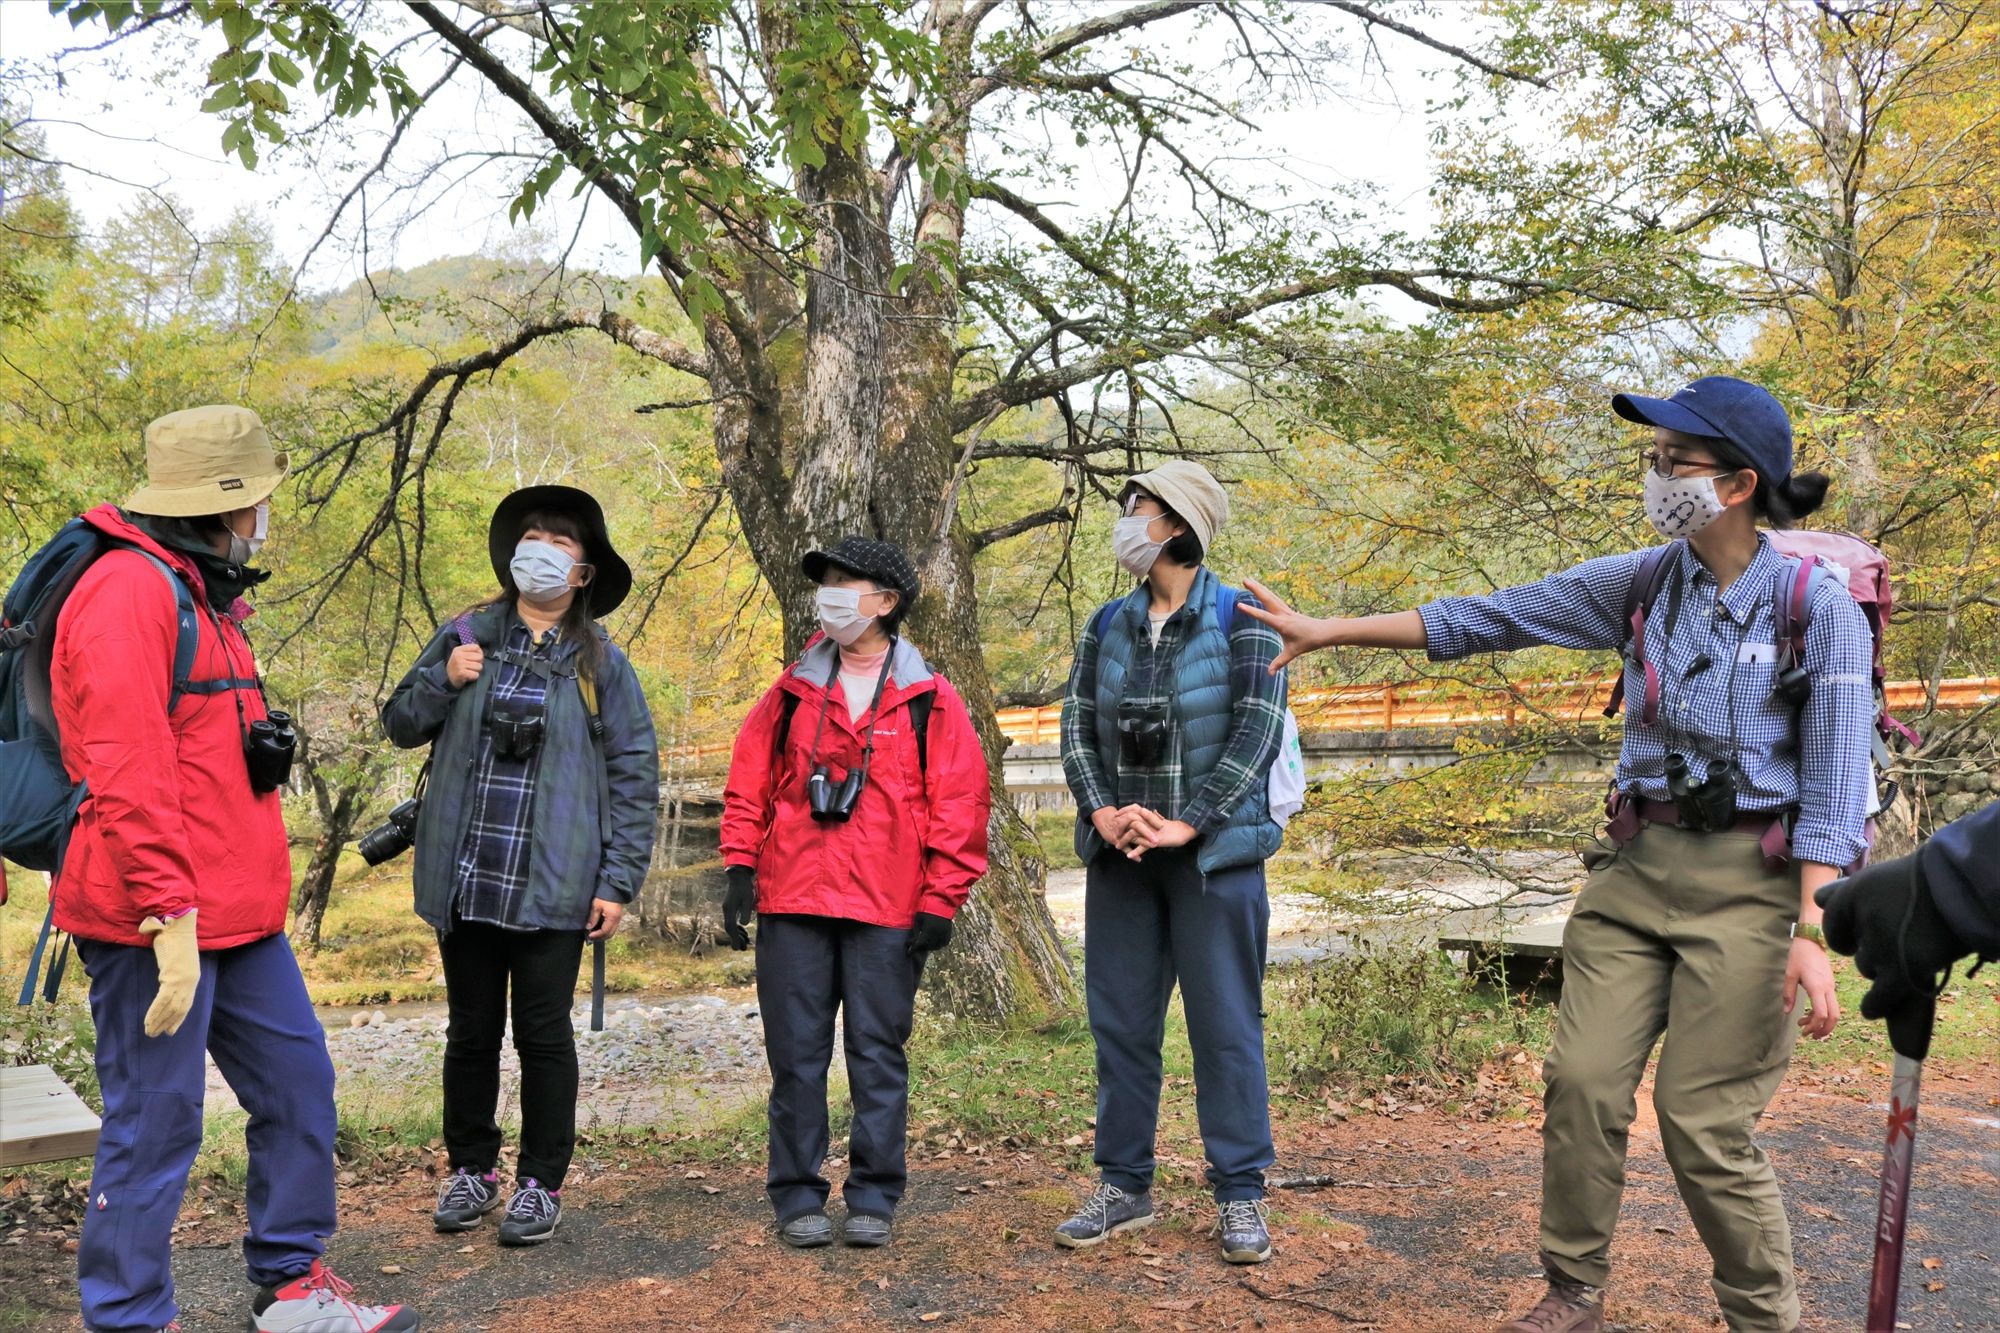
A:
179	956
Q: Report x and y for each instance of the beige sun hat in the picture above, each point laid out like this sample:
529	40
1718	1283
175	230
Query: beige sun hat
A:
207	460
1190	490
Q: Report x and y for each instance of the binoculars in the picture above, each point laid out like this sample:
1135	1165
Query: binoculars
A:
1142	733
516	730
833	799
1707	805
268	748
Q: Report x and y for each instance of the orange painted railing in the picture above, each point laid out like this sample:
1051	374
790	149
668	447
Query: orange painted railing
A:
1453	704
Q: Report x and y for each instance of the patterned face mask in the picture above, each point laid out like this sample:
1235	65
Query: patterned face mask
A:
1681	506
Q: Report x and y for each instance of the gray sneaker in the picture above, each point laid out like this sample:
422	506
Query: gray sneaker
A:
532	1214
467	1197
866	1230
1108	1211
807	1231
1245	1238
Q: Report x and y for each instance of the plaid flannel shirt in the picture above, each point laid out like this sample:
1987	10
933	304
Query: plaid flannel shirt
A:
493	862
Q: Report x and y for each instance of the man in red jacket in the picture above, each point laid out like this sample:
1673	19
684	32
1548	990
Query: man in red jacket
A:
855	822
174	885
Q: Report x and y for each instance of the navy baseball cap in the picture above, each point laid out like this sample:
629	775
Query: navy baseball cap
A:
1721	407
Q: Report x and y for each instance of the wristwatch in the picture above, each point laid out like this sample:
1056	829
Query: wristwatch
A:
1809	930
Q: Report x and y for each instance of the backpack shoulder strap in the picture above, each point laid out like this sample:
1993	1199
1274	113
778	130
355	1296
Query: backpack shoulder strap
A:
786	707
1105	614
1797	583
186	626
1225	607
1649	576
920	727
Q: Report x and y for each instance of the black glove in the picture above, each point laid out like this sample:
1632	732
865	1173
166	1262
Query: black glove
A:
739	905
928	934
1865	916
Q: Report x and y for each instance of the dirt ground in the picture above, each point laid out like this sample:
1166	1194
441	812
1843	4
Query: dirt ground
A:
1430	1227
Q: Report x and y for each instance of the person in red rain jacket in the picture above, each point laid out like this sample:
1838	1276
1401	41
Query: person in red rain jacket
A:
174	884
854	826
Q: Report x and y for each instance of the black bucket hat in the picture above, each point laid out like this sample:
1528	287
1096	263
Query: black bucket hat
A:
611	582
882	561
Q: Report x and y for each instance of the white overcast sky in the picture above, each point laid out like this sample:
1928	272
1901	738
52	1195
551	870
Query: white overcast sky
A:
135	118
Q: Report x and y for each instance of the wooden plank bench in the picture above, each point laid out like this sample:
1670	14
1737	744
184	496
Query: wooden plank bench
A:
41	1118
1528	955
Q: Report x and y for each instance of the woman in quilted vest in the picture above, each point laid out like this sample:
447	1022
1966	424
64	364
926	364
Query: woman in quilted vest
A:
1170	725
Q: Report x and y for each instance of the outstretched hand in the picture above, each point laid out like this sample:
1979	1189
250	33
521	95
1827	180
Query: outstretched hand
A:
1301	634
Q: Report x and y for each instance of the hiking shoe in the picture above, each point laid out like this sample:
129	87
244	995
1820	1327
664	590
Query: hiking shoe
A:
466	1197
866	1230
318	1302
532	1214
1108	1211
807	1231
1245	1238
1568	1308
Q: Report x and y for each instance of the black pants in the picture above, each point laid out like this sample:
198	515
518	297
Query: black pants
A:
479	962
807	966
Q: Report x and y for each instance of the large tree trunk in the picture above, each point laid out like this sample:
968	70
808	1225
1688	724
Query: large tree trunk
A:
841	423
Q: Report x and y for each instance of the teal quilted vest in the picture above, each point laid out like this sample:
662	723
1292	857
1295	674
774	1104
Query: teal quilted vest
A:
1203	706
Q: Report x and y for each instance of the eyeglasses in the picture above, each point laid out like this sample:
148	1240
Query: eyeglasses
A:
1665	465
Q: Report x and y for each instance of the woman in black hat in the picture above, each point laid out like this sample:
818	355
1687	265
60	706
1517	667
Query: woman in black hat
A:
536	830
854	826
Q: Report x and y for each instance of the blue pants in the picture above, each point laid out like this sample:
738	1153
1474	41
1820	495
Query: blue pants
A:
807	966
1146	923
251	1013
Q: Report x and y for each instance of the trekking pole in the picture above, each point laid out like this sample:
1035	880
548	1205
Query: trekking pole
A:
597	990
1893	1214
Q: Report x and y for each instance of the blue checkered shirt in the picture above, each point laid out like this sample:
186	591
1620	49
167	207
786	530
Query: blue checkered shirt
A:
493	861
1817	758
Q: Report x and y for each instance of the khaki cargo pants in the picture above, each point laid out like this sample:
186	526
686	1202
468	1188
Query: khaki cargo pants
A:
1688	934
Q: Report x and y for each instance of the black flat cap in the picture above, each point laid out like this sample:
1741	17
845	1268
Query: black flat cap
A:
882	561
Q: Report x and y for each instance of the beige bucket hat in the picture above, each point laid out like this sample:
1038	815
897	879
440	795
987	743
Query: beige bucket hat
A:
207	460
1190	490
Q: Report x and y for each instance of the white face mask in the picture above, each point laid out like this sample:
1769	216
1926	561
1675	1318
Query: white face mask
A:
242	550
541	570
840	615
1681	506
1133	545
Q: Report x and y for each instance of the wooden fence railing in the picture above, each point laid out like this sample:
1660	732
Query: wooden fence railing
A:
1450	704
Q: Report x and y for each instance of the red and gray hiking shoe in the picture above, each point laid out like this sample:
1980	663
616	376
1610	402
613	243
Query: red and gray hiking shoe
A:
1568	1308
318	1302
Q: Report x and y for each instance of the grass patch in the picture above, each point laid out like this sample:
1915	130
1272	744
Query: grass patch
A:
1355	1020
1968	1023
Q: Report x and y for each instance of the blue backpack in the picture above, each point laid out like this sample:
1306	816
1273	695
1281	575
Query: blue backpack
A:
38	802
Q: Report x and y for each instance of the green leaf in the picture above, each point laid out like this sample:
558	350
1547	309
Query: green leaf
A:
287	73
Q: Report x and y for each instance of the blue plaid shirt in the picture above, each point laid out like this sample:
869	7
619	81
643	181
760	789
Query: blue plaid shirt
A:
1817	758
493	861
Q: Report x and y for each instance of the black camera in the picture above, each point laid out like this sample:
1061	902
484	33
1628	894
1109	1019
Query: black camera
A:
833	799
1142	733
391	839
268	749
516	730
1706	806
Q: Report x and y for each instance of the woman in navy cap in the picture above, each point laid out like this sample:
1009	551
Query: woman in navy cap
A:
1743	785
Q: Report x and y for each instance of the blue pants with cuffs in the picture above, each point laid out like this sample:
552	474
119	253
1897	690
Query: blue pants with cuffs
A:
1148	924
252	1014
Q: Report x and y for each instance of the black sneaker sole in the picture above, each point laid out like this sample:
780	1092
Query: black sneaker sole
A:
452	1226
869	1241
1084	1243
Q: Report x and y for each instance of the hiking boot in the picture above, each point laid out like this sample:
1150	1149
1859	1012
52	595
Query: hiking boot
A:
807	1231
1245	1238
532	1214
1569	1307
865	1230
467	1197
318	1302
1108	1211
